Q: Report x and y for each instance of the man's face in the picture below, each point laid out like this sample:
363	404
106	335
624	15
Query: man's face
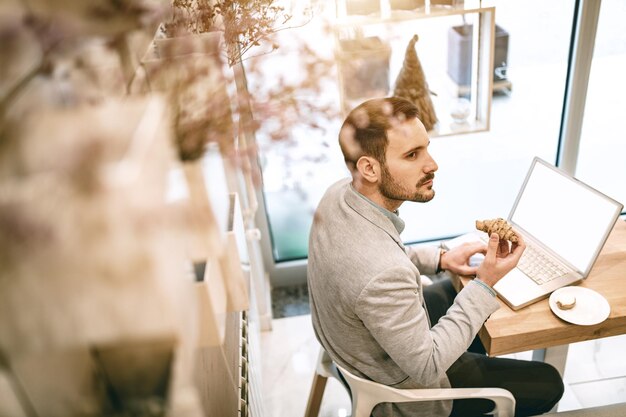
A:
409	171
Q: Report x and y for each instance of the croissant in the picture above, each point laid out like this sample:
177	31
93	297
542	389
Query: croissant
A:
499	226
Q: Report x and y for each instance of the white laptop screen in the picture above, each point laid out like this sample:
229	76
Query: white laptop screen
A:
565	215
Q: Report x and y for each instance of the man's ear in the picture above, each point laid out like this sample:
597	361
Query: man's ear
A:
369	168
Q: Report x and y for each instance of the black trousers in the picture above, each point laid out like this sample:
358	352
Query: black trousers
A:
536	386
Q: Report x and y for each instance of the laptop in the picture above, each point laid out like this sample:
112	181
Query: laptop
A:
565	224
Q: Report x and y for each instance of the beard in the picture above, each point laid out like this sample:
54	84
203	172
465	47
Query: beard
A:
391	190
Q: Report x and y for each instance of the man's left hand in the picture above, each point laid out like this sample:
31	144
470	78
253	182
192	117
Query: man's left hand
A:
457	260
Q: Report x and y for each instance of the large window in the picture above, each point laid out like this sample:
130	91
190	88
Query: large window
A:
479	173
602	152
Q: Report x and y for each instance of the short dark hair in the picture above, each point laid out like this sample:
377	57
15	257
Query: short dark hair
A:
364	132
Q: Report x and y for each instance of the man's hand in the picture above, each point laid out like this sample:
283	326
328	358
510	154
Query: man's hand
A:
457	260
499	259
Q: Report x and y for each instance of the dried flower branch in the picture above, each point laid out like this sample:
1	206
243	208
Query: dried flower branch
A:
245	23
272	106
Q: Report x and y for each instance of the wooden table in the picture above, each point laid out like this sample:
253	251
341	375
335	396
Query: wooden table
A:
536	327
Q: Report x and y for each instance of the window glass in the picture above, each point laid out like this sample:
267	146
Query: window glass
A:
479	173
602	152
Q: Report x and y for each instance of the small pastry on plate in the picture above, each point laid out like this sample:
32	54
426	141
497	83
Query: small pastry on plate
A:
566	301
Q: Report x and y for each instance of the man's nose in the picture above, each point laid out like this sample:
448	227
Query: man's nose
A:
431	165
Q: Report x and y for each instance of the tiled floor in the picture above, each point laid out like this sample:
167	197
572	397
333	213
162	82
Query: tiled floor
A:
595	373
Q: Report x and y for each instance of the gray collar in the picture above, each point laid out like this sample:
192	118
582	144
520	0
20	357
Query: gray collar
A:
398	223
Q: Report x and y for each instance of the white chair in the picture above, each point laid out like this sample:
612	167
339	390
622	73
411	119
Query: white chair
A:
366	394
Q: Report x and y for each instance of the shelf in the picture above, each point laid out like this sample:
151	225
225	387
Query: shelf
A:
372	72
395	16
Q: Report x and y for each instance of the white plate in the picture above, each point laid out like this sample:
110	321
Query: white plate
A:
590	308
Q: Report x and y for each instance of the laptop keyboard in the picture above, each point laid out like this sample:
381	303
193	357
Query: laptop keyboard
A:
539	267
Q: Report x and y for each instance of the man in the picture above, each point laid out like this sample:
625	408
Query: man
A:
367	299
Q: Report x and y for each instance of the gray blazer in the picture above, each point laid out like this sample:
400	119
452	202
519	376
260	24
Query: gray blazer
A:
367	303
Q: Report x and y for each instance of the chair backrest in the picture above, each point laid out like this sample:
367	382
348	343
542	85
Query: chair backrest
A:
367	394
325	365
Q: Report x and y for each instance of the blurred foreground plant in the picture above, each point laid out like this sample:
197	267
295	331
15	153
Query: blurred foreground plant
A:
267	101
245	23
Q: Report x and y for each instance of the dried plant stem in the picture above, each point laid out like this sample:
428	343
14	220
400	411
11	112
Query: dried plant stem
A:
18	387
10	97
120	44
